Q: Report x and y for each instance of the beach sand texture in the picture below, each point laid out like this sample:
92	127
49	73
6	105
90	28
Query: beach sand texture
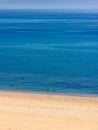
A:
20	111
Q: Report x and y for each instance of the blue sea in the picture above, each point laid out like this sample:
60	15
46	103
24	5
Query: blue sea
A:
49	51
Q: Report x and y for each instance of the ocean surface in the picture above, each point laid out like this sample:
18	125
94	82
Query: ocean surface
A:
49	52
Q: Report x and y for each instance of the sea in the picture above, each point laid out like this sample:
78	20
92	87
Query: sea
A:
49	51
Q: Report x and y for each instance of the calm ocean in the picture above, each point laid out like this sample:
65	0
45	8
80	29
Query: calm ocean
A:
49	52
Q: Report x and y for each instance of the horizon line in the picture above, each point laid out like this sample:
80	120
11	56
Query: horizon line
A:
48	9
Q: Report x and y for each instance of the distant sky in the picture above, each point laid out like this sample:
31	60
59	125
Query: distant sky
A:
49	4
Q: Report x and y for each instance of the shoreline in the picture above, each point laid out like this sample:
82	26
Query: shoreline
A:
49	96
51	93
24	111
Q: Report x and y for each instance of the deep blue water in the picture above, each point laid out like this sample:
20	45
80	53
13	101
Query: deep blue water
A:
51	52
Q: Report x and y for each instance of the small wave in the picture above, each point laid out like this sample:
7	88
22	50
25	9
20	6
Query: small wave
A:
47	83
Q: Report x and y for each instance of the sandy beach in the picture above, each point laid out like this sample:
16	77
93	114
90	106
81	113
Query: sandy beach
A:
21	111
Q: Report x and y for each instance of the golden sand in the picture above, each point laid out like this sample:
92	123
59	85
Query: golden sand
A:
21	111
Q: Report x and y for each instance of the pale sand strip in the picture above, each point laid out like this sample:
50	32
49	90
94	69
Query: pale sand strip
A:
20	111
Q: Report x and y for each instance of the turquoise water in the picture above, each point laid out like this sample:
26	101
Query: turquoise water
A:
49	52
